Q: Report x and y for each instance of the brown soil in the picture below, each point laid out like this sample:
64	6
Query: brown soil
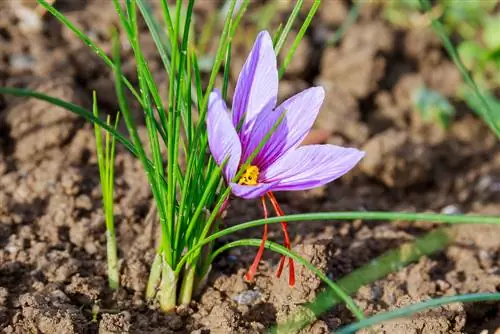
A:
52	256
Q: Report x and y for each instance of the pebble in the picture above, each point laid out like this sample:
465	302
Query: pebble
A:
29	20
21	62
451	209
247	297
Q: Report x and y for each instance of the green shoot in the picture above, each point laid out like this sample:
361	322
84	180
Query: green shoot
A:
291	52
350	20
106	164
409	310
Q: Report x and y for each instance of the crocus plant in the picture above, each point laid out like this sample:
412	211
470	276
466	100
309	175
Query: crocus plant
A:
281	164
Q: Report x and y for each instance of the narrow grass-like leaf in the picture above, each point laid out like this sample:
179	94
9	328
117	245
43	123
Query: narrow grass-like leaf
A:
377	268
143	71
86	39
237	18
137	141
439	29
277	34
156	33
288	26
227	70
298	38
409	310
105	162
339	216
213	182
352	16
200	139
76	109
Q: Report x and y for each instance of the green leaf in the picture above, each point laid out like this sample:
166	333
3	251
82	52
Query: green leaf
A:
471	53
80	111
409	310
86	39
298	38
340	216
437	26
475	104
381	266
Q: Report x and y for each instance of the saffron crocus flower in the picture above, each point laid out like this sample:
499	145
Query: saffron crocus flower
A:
281	164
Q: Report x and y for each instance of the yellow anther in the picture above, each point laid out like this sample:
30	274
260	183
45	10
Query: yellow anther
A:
249	178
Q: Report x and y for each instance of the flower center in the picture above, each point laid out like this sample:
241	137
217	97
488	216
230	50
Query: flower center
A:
249	178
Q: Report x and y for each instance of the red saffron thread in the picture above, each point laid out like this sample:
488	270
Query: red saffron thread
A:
253	268
287	244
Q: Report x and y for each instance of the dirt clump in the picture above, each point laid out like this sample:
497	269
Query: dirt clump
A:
47	312
395	159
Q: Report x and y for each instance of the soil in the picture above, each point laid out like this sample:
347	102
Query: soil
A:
52	235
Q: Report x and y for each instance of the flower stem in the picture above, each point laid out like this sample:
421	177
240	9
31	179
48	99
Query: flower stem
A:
105	162
187	286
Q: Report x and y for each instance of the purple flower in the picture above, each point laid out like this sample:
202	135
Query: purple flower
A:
281	164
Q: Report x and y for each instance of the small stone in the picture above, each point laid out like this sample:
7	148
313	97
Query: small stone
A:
484	183
451	209
21	62
247	297
83	202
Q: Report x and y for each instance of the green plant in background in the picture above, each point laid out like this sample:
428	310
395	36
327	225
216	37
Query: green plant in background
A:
478	52
478	26
466	17
400	12
482	57
489	114
475	103
189	196
106	164
433	107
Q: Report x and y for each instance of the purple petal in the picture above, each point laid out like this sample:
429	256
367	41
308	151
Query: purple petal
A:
264	123
257	86
311	166
222	137
301	112
249	192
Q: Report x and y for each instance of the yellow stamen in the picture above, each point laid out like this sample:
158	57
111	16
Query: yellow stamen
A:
249	178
